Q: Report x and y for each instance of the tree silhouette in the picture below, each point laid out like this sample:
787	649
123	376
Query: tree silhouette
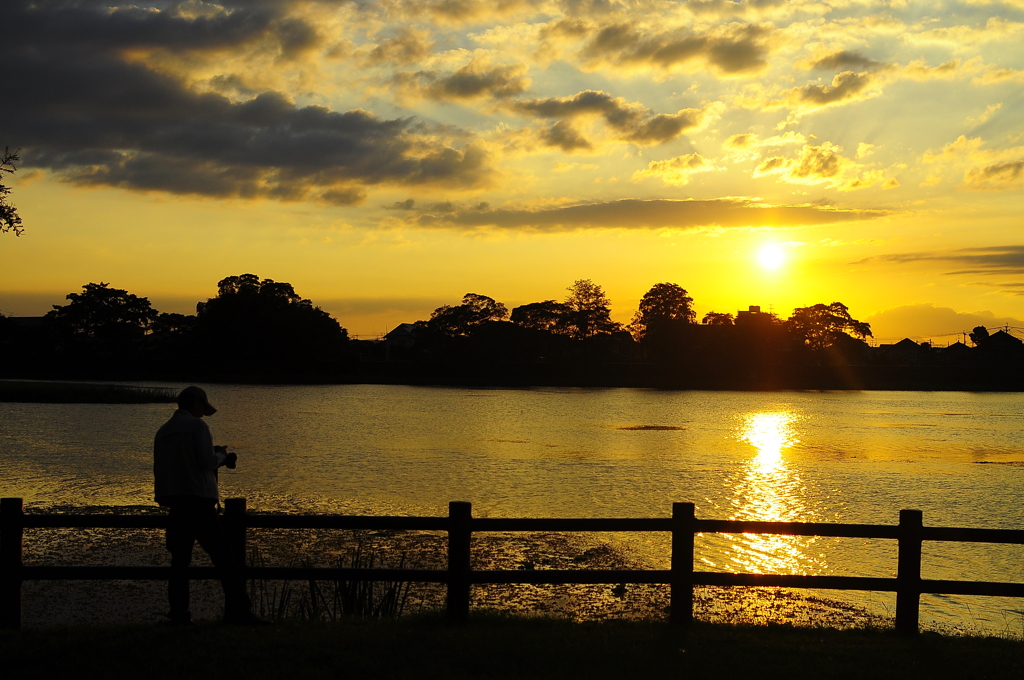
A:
821	325
541	316
589	310
100	318
255	324
979	336
662	305
458	320
9	218
718	319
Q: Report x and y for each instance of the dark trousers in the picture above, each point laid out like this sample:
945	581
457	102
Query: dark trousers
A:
193	519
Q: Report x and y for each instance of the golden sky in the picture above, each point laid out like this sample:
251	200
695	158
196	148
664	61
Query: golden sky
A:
387	157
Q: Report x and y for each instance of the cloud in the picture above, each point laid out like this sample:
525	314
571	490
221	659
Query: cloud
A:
993	169
676	171
747	146
845	60
449	11
644	214
564	136
407	47
821	164
999	75
984	117
969	38
93	26
475	79
630	122
732	49
97	117
740	141
982	260
928	321
958	148
816	164
919	70
996	177
845	86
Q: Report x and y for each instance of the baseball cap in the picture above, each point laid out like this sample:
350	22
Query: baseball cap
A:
196	395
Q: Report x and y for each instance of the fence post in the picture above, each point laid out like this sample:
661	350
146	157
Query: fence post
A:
12	541
460	533
908	572
235	529
681	584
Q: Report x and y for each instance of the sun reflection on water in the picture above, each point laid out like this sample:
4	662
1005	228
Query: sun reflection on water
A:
769	490
769	433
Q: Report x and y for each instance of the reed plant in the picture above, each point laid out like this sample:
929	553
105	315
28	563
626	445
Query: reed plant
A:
335	599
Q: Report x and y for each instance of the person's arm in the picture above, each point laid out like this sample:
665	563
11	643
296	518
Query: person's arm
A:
207	457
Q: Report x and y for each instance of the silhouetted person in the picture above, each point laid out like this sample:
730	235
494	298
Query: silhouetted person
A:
185	464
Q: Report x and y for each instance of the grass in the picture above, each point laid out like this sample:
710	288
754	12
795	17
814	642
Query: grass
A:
82	393
491	646
280	601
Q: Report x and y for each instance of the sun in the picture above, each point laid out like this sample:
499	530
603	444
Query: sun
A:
771	256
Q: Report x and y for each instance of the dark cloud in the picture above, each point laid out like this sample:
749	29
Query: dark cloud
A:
770	165
407	204
646	214
343	196
563	135
69	25
732	50
845	85
567	28
97	118
665	127
471	81
845	60
296	37
632	122
986	260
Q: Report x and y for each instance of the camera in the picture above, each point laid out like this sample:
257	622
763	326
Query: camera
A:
230	459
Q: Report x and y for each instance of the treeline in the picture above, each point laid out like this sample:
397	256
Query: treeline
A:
574	341
252	330
259	330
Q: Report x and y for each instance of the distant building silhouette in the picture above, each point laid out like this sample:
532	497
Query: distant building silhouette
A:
401	336
753	317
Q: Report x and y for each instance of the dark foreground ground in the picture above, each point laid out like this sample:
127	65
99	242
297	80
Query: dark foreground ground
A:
500	647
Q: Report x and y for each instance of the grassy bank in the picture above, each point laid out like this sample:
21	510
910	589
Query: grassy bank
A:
501	647
82	393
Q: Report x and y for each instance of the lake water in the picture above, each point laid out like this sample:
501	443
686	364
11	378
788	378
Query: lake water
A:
801	456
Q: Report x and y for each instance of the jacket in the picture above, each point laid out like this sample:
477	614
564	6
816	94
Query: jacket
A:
184	462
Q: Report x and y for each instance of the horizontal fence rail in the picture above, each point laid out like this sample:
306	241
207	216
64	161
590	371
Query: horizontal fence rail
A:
459	576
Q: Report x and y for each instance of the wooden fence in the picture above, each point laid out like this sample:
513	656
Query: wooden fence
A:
459	576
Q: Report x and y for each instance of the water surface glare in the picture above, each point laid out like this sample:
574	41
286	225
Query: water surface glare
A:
795	456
